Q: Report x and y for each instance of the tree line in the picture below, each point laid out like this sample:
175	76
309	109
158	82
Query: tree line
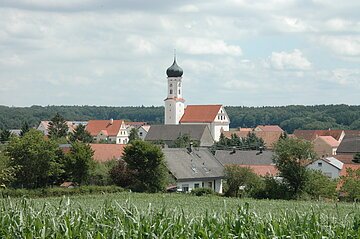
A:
287	117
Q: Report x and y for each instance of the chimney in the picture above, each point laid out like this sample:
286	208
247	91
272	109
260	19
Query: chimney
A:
111	121
190	148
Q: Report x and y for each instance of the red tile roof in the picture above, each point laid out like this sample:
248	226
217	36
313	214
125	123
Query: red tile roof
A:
310	135
107	152
95	126
262	170
200	113
270	128
269	137
347	166
330	141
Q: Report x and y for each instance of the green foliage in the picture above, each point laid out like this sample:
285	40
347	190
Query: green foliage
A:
35	159
251	142
290	157
121	175
58	127
184	141
81	134
273	188
356	158
24	129
320	186
202	191
99	173
79	162
241	181
5	136
134	135
351	185
146	161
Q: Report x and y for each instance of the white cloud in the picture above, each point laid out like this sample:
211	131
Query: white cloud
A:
291	24
140	45
289	60
339	25
343	45
202	46
189	9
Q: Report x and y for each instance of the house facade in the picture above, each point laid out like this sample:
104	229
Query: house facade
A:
110	131
329	166
325	146
194	168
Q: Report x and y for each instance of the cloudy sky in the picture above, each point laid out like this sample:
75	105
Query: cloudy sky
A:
233	52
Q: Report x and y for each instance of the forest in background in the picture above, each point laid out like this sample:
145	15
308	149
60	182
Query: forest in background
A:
287	117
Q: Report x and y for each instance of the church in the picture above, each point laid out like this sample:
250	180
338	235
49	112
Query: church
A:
214	116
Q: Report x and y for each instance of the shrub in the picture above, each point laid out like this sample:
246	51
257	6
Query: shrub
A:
202	191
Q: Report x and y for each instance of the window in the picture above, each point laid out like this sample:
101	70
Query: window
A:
320	164
196	185
141	134
170	85
171	91
179	92
185	187
209	184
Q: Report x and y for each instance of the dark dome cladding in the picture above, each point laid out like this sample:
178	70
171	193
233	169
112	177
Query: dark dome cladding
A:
174	70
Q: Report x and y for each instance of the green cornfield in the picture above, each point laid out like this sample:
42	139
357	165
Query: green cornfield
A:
132	215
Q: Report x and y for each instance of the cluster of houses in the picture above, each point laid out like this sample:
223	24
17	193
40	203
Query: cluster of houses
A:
196	167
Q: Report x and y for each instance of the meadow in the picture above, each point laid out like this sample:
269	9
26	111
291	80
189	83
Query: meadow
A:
133	215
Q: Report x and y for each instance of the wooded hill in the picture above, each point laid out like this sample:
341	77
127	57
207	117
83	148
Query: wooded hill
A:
288	117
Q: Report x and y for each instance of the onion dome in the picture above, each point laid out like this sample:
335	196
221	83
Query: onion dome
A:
174	70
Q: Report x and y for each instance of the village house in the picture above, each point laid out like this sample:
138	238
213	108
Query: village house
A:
325	146
268	128
143	131
110	131
194	168
329	166
167	134
214	116
44	126
311	135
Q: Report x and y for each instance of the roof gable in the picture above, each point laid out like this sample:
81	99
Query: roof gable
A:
311	135
106	152
200	113
270	128
329	140
95	126
199	164
172	132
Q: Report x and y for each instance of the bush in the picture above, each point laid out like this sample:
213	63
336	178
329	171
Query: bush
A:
273	189
202	191
57	191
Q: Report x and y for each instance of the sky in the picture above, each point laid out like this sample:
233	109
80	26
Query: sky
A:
232	52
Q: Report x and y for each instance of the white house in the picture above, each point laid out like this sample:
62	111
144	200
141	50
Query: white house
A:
329	166
143	131
194	168
113	131
214	116
44	126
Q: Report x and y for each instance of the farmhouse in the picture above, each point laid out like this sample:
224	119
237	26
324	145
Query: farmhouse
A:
329	166
194	168
113	131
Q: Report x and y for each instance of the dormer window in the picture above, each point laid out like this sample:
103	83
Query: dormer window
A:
171	91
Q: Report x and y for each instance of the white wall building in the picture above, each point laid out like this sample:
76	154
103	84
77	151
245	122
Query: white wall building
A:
329	166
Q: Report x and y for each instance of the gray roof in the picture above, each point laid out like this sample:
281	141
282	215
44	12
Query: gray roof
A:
349	144
171	132
199	164
241	157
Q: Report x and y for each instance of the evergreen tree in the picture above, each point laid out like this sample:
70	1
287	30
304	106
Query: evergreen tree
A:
24	129
58	127
5	136
356	158
134	135
81	134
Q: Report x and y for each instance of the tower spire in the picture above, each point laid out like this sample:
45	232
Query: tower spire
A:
174	55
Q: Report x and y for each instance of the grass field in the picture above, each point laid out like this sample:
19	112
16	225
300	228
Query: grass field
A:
131	215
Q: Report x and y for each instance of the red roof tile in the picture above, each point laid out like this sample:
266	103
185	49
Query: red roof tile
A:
200	113
347	166
270	128
269	137
330	141
107	152
310	135
262	170
95	126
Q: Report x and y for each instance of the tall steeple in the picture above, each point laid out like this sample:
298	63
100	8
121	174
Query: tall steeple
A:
174	103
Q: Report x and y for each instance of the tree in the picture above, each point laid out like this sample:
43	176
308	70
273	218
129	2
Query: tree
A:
147	163
35	159
24	129
5	136
253	142
81	134
79	162
58	127
290	157
237	177
356	158
319	185
184	140
121	175
134	135
351	184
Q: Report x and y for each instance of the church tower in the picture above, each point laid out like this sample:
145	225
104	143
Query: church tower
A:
174	103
